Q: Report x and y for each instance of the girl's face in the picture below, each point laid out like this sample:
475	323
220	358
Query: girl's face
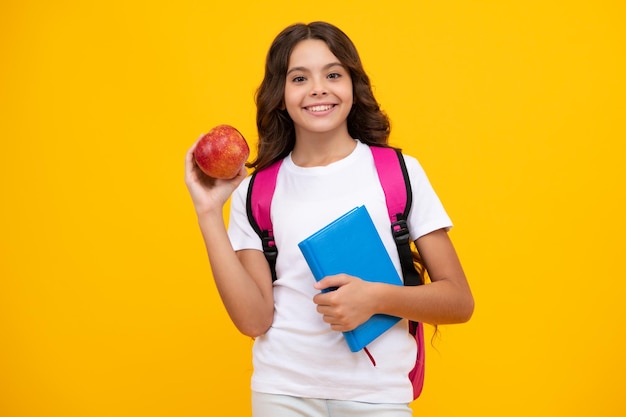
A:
318	89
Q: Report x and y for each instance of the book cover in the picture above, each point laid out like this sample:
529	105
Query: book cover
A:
351	245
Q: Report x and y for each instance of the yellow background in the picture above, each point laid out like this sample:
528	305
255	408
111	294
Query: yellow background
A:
515	109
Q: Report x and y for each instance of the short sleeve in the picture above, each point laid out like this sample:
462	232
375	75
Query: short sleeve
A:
240	232
427	212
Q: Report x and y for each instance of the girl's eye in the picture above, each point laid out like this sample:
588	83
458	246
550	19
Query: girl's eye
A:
298	79
334	75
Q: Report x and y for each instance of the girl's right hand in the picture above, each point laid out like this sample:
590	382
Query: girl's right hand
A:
208	194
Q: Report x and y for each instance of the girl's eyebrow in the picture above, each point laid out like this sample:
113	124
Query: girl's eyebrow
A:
304	69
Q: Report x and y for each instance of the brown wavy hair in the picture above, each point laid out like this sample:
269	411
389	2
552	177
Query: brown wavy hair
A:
366	121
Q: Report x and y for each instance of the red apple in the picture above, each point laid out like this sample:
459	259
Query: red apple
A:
222	152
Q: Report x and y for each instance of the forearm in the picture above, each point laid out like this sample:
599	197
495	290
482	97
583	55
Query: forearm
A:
440	302
247	299
447	299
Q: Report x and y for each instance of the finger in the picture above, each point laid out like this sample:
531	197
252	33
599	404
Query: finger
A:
191	150
243	172
324	298
329	319
336	325
191	167
241	175
331	282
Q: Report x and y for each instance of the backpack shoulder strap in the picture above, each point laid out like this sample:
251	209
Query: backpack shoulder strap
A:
396	185
258	204
394	179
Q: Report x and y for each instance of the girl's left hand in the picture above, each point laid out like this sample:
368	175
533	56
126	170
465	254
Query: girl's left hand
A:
349	305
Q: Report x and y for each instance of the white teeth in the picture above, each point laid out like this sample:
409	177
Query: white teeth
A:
321	108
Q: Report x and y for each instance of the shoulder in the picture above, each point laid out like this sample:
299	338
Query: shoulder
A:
414	168
241	192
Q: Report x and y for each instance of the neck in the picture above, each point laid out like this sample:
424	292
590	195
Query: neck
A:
321	149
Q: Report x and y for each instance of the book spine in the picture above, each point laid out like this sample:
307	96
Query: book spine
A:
353	343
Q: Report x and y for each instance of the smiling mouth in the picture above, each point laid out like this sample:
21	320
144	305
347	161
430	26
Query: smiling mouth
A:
320	108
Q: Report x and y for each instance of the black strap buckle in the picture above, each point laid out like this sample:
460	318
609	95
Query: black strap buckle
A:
269	248
270	251
400	231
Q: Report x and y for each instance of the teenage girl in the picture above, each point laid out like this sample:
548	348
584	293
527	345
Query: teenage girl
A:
317	112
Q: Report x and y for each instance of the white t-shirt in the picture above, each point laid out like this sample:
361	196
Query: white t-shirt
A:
300	355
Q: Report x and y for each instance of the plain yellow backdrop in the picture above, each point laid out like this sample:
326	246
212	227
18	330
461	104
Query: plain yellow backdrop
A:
515	109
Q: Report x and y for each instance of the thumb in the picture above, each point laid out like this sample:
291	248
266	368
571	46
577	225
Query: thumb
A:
331	282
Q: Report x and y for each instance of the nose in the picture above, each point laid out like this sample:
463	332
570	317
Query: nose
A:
318	89
318	92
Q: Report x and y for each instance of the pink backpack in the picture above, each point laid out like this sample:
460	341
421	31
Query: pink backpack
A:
395	182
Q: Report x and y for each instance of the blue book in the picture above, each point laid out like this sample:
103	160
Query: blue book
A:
351	245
